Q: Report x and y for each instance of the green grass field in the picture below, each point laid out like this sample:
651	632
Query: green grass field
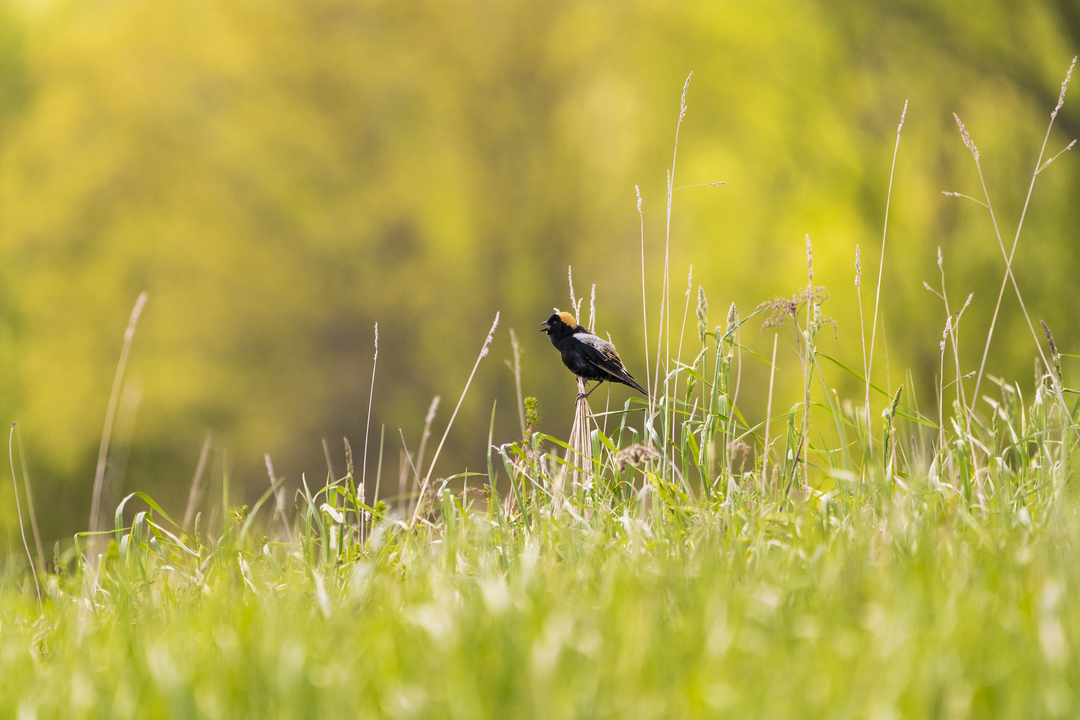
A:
671	560
922	583
923	594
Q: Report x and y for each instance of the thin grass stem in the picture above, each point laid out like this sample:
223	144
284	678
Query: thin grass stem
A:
644	302
29	498
438	450
195	494
110	415
768	418
881	262
371	396
18	511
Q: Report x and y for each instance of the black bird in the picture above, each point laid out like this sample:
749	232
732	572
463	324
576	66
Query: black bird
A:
586	355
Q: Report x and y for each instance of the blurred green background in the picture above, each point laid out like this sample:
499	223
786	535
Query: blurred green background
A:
282	175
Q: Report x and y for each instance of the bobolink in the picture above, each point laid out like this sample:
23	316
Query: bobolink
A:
585	354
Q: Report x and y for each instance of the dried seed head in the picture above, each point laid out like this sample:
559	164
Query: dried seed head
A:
573	299
682	102
635	455
1064	86
967	138
702	314
135	313
490	336
1050	339
430	417
592	308
348	460
858	267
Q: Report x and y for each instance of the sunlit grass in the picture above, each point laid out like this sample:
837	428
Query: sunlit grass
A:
913	600
919	584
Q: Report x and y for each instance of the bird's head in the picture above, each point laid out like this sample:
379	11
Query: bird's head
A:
557	322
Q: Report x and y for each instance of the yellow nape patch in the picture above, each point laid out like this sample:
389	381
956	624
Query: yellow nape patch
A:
568	319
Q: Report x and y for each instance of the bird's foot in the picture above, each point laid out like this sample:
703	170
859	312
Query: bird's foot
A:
583	395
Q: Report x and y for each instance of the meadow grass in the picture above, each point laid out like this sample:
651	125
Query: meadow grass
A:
936	594
671	561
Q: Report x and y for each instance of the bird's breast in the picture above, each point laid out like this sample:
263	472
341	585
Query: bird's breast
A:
577	363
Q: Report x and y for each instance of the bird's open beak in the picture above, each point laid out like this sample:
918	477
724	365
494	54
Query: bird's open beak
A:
544	326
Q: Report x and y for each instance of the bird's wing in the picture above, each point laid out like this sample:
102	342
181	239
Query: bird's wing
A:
600	353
